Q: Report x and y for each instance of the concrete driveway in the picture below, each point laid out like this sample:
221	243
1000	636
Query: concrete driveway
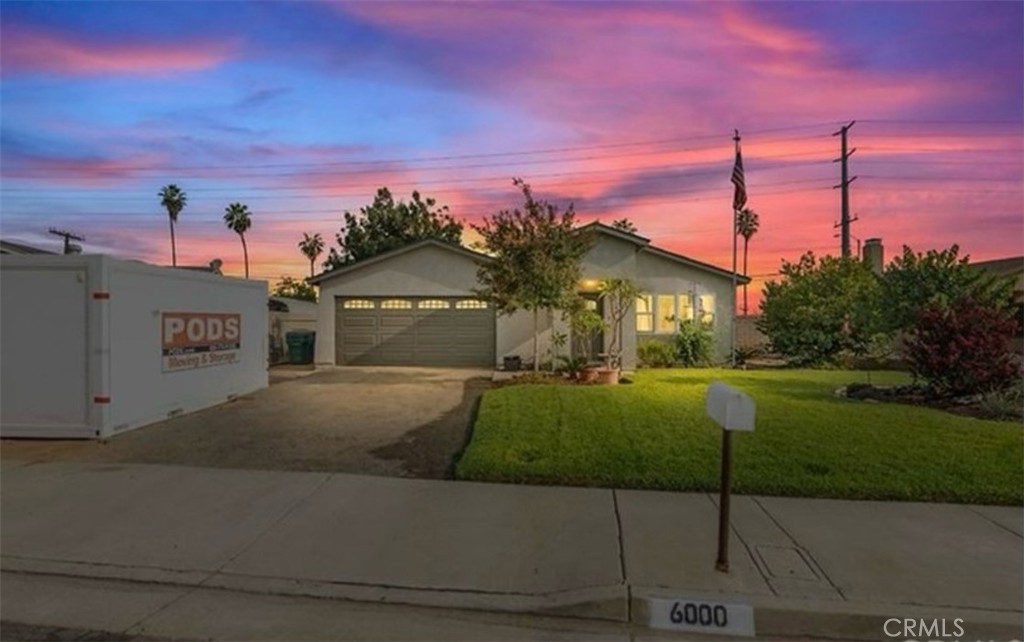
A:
404	422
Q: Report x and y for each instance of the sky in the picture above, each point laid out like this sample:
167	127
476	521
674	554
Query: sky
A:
301	110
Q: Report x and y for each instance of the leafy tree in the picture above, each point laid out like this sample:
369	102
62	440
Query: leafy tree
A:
538	254
295	289
237	218
311	247
747	224
820	309
386	225
913	281
173	199
624	225
962	348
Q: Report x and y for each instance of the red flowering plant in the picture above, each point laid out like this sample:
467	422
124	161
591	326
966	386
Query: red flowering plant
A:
963	348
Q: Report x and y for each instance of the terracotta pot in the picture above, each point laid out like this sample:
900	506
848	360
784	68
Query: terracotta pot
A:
607	376
588	375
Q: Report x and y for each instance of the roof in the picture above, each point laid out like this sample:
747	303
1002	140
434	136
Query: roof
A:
358	265
15	247
600	227
1006	266
700	265
644	245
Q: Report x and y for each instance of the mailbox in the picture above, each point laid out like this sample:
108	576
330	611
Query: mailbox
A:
730	408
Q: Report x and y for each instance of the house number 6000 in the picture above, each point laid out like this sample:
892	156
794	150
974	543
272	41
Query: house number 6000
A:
699	614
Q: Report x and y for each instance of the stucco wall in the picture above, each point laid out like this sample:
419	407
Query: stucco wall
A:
612	257
435	271
426	271
660	275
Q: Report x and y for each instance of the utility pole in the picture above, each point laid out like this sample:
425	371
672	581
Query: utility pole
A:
69	248
844	185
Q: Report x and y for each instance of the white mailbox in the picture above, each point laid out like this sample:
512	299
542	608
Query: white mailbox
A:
730	408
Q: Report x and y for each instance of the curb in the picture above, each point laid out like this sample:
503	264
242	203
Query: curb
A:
773	616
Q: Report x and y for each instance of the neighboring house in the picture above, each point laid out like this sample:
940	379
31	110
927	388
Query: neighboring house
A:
213	267
417	305
1009	267
15	247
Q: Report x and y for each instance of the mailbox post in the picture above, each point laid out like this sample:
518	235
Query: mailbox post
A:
732	410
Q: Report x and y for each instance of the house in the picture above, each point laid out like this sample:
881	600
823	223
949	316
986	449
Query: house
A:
1012	267
417	305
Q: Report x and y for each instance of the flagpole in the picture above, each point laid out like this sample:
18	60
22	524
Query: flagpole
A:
735	217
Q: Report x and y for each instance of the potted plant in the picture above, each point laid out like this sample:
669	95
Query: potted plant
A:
618	296
584	324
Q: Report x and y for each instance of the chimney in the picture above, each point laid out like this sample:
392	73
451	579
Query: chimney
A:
874	255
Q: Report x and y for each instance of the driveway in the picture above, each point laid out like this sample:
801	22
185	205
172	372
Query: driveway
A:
404	422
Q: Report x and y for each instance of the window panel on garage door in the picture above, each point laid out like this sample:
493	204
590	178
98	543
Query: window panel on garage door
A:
427	331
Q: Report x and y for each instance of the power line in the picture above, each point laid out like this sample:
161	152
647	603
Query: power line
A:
480	179
431	159
941	122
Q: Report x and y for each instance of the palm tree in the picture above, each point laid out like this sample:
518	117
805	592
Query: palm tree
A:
746	225
236	217
173	199
312	247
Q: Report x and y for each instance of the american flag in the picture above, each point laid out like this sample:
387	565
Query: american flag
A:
739	197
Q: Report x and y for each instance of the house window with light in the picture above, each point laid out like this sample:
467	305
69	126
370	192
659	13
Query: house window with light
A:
707	309
662	313
645	313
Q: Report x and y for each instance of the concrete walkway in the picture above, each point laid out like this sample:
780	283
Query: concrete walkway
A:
811	568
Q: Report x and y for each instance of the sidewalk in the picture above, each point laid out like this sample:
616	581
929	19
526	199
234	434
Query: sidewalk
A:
811	568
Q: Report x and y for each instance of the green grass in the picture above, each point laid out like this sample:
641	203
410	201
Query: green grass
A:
654	434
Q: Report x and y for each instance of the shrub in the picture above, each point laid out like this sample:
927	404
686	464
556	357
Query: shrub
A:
656	354
963	348
743	354
694	344
820	309
1007	403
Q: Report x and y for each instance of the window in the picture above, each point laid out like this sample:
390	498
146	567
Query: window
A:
357	304
666	309
470	304
433	304
396	304
645	313
707	309
685	311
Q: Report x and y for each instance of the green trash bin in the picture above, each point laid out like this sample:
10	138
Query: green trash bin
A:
300	346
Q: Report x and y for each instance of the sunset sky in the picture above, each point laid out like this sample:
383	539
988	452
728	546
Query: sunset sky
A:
302	109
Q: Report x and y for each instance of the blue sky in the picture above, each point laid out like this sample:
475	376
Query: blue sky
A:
302	109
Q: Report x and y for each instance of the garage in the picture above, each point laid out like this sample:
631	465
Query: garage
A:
413	306
406	331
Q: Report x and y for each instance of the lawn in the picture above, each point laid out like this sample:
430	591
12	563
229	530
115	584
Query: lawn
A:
654	434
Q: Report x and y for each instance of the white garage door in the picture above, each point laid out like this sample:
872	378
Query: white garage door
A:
414	331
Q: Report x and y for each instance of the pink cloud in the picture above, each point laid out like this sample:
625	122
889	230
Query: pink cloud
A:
29	49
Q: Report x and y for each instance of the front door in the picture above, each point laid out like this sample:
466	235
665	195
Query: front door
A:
595	347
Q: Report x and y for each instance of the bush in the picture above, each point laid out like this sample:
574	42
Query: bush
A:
656	354
962	349
694	344
1007	403
743	354
820	309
